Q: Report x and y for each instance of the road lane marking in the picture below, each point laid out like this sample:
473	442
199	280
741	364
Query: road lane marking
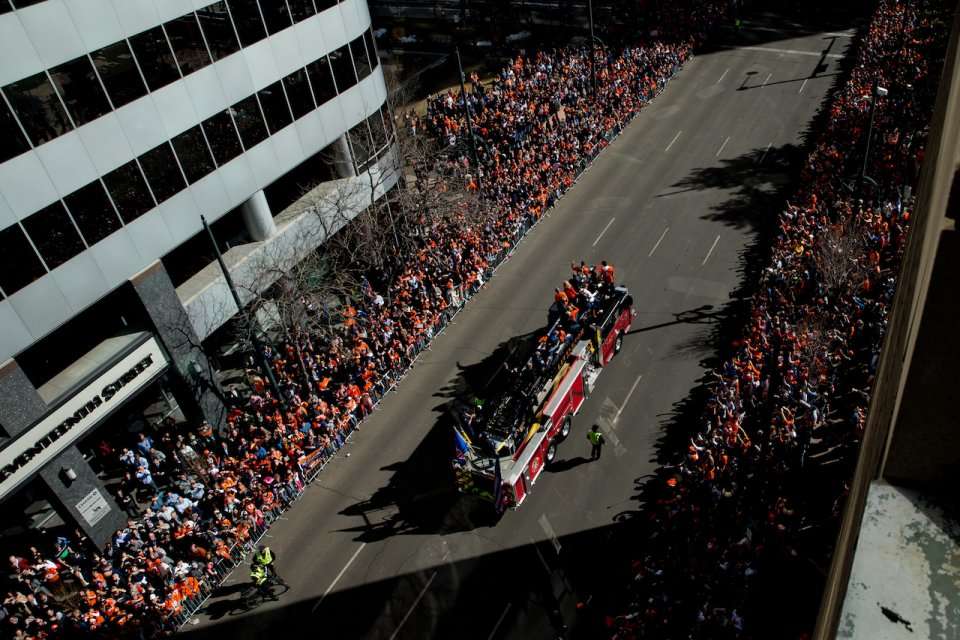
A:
603	232
413	606
769	75
720	150
712	247
795	52
503	615
339	575
765	152
723	76
548	529
627	399
803	85
674	140
662	235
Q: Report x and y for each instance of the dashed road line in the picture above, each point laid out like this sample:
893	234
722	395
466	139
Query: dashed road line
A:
339	575
803	85
503	615
413	606
603	232
627	399
720	150
769	75
712	247
794	52
662	235
723	76
765	152
674	140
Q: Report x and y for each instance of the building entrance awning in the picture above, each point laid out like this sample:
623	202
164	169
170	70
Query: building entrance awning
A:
82	396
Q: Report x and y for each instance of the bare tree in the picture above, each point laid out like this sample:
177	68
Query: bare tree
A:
840	255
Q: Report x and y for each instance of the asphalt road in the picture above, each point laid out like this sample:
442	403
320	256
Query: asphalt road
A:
379	548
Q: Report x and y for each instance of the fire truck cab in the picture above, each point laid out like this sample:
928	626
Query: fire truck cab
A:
528	409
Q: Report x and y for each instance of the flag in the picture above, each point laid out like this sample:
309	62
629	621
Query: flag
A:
461	443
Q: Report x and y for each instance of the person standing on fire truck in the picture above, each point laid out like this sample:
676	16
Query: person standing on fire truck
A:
596	442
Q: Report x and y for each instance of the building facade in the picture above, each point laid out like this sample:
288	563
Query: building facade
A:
123	122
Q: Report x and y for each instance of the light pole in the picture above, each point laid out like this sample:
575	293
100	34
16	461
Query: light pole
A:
593	67
257	345
466	110
876	93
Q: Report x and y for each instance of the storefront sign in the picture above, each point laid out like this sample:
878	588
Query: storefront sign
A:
93	507
29	451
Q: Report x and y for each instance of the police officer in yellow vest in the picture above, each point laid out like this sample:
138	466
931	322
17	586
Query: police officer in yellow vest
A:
258	575
596	442
264	558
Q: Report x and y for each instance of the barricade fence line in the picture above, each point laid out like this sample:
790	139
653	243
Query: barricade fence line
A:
238	551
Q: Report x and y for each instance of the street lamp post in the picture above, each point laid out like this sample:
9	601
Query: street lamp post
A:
466	110
257	345
876	93
593	66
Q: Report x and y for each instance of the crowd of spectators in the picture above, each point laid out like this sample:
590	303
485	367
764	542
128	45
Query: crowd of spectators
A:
747	486
197	496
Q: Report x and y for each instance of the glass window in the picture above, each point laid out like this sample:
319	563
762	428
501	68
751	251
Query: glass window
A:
19	263
20	4
371	49
129	191
163	174
119	73
325	4
378	131
298	91
93	213
13	141
246	113
80	89
216	26
275	108
246	17
275	15
359	138
321	79
155	58
54	235
301	9
188	45
359	50
342	66
4	7
39	109
223	137
195	158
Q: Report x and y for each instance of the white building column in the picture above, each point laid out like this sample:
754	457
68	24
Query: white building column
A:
257	217
343	158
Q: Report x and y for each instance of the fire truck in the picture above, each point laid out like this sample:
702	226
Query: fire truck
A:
507	432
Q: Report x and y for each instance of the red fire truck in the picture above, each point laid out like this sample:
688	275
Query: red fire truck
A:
509	431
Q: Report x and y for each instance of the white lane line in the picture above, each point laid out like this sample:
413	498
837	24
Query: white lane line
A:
803	85
603	232
674	140
712	247
769	75
765	152
340	575
548	529
662	235
503	615
795	52
723	76
413	606
627	399
720	150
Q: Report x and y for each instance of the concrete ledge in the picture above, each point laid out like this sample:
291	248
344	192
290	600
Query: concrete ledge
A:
905	582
